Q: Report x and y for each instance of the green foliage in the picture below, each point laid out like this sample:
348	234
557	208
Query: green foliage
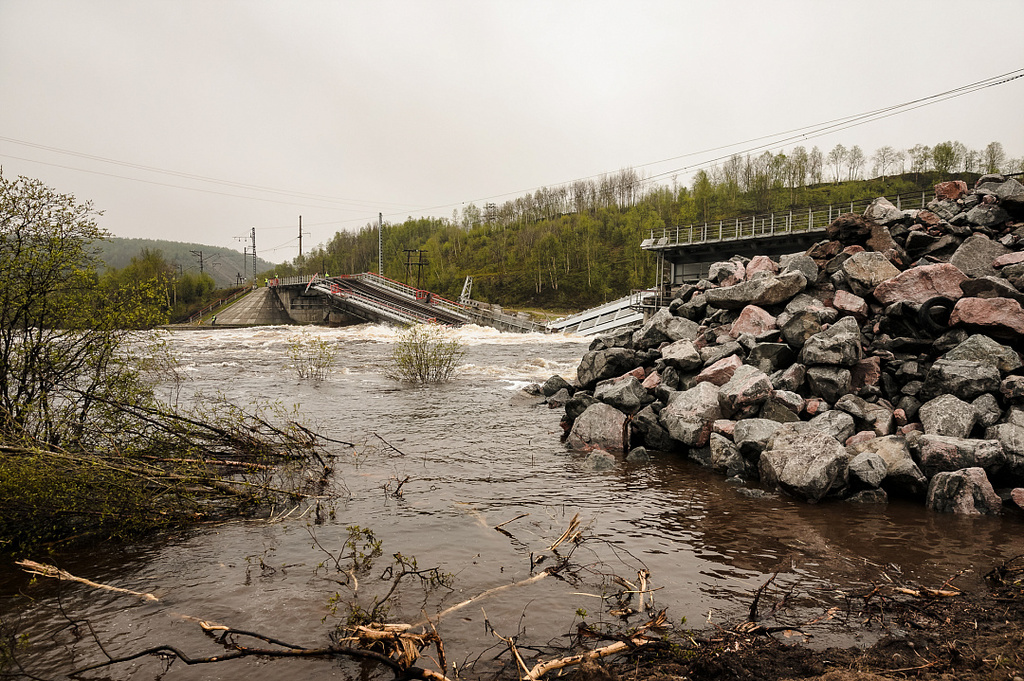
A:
423	354
312	358
86	448
578	245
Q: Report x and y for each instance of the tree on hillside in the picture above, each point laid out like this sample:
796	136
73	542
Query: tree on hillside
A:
885	158
945	157
920	158
855	162
816	165
993	158
702	194
836	158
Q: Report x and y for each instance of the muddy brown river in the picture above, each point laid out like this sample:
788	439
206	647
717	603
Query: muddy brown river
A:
474	456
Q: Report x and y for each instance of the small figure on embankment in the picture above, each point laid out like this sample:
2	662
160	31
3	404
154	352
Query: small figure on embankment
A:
883	361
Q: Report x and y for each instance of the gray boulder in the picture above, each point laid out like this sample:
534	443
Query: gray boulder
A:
664	327
599	460
937	453
1011	437
726	458
963	378
683	355
762	291
799	262
947	415
751	436
647	428
868	469
689	414
601	426
804	462
901	473
554	384
748	388
884	212
981	348
601	365
975	255
625	394
840	344
829	382
836	423
967	492
866	270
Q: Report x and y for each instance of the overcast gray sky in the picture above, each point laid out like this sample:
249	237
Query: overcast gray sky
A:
196	120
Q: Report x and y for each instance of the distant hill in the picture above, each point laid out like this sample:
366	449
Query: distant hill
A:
223	264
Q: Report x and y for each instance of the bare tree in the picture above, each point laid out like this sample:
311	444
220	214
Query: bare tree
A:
836	158
815	165
993	158
854	162
885	158
920	158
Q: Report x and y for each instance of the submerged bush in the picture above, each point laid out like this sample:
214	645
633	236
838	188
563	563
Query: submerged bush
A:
312	358
425	353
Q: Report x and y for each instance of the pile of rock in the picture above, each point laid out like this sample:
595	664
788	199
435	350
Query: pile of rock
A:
884	360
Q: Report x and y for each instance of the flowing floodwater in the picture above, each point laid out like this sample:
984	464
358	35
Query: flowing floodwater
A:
475	454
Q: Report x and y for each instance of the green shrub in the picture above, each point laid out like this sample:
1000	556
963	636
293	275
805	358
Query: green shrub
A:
312	358
425	353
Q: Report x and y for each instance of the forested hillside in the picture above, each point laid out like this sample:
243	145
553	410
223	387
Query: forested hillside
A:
223	264
577	245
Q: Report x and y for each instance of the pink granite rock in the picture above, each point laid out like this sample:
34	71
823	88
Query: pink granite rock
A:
1008	259
720	372
951	191
919	284
867	371
753	320
998	316
761	263
844	301
862	436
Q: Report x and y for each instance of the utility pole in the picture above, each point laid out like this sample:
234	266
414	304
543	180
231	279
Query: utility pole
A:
198	254
254	282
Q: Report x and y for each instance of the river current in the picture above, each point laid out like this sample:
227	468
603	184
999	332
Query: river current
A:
473	453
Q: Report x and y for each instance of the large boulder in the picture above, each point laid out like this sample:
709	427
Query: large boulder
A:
646	428
745	391
902	474
836	423
753	435
883	212
627	394
919	284
683	355
601	426
1001	317
938	453
689	414
840	344
763	291
947	415
829	382
981	348
975	255
600	365
963	378
866	270
967	492
664	327
804	462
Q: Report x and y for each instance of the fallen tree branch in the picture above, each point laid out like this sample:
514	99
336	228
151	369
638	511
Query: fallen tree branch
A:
44	570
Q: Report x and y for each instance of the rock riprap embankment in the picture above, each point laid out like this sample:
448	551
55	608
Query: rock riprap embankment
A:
885	360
